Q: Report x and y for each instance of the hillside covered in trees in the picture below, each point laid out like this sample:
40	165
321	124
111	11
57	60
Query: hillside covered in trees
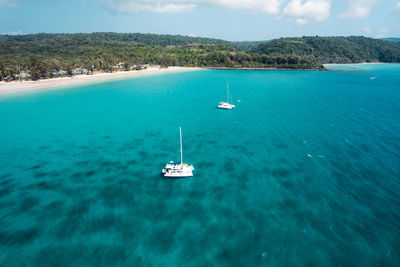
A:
42	55
49	55
320	50
391	39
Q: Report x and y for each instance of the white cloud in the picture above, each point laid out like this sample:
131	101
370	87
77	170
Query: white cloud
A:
14	33
382	33
309	10
358	9
139	6
12	3
398	7
262	6
16	3
300	21
384	30
161	6
367	29
192	35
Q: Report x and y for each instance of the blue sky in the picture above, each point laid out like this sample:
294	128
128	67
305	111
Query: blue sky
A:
225	19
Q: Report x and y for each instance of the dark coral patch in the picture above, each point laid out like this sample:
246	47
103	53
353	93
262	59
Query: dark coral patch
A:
28	203
6	175
39	174
18	238
281	173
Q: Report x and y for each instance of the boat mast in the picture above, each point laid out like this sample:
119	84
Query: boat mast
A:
227	91
230	98
180	138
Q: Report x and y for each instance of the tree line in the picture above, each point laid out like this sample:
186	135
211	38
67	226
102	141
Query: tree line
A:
38	56
353	49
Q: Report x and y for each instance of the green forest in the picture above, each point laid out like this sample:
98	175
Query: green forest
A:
392	39
38	56
320	50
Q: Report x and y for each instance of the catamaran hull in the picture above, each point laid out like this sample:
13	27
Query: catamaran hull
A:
177	170
172	175
225	107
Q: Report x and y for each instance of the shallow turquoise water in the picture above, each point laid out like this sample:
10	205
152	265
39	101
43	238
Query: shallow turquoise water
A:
305	171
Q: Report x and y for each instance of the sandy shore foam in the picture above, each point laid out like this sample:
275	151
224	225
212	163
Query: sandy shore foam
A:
25	86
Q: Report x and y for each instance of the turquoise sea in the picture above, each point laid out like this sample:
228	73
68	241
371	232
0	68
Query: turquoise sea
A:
304	172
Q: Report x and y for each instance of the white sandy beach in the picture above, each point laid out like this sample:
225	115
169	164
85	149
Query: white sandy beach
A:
362	63
24	86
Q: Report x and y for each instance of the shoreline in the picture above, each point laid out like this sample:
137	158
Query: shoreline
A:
361	63
7	88
261	68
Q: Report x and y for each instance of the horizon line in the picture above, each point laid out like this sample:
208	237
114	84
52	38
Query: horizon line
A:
191	36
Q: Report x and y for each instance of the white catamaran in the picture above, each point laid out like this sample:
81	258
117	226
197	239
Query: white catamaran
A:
178	169
226	105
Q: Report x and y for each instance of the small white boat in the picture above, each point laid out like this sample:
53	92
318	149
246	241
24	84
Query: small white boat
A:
178	169
226	105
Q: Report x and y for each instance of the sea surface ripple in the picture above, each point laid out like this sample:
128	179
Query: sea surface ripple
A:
305	171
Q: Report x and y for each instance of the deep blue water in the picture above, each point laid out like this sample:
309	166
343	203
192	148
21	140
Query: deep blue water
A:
305	171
